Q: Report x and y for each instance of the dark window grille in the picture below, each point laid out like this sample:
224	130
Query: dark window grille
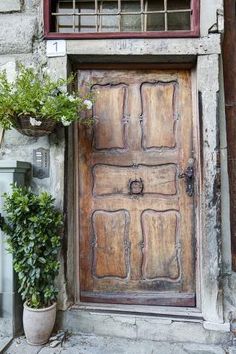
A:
106	17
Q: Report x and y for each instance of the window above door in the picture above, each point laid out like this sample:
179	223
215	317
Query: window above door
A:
121	18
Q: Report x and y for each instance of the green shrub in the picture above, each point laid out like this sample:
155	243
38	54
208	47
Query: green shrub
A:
32	227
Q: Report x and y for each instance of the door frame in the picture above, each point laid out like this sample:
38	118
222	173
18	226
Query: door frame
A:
194	312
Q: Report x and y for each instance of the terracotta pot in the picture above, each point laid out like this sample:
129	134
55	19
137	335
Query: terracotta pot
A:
38	324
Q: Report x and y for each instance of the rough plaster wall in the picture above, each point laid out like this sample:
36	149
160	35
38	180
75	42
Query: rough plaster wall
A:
208	86
21	41
211	16
212	20
229	277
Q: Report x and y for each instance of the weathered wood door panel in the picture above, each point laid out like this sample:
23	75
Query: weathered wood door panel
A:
136	219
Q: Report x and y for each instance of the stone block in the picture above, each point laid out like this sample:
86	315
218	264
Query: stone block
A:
209	15
20	345
221	327
175	49
5	329
91	344
138	327
4	342
10	6
10	68
203	349
17	33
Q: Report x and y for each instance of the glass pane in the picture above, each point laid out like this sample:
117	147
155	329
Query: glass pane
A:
65	23
179	21
109	23
155	22
82	23
155	5
130	23
86	23
178	4
130	6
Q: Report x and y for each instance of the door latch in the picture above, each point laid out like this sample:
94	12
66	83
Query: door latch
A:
136	186
188	175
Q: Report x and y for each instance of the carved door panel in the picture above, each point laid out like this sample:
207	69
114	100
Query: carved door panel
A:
135	217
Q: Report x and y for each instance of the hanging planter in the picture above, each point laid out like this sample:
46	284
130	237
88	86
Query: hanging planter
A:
33	127
35	103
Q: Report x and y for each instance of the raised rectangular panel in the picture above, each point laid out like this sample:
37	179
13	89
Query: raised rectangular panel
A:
110	244
159	115
160	244
156	179
110	111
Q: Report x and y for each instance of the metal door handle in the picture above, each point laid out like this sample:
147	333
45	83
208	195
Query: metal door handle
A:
188	175
136	186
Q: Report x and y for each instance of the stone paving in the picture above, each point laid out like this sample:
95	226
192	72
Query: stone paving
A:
91	344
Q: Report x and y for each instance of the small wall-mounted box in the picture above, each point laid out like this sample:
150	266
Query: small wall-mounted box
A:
41	163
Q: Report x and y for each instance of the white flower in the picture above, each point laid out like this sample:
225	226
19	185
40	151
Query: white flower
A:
46	70
65	122
88	104
71	98
35	122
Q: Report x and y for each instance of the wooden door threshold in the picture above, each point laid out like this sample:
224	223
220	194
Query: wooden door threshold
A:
154	299
191	314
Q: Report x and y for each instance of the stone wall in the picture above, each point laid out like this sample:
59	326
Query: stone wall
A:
21	41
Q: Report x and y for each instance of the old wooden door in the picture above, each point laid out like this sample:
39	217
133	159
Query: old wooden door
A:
135	217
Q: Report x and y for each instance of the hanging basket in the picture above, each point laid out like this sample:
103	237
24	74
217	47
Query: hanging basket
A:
23	125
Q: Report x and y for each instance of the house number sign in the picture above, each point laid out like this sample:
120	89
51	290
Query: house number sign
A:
56	48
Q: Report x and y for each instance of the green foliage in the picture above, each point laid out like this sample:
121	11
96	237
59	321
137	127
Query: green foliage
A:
32	228
35	94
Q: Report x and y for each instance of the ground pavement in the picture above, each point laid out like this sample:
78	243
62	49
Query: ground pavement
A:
91	344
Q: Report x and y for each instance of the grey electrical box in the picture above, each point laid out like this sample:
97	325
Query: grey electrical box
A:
41	163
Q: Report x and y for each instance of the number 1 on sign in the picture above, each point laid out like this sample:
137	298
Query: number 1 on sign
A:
56	48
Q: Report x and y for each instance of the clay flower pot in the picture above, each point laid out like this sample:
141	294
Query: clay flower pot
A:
38	324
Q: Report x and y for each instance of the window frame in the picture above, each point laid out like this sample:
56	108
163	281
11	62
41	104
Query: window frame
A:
194	32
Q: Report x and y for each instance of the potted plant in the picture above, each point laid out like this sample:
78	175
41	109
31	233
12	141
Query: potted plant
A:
32	228
35	103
